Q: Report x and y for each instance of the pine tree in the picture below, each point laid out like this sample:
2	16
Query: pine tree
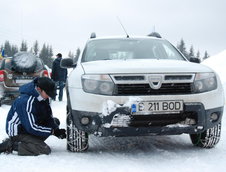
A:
43	53
46	54
206	55
50	51
182	48
191	53
50	55
198	55
7	49
23	46
74	56
14	49
36	48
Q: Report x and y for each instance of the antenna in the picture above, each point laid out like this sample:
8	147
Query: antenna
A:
123	27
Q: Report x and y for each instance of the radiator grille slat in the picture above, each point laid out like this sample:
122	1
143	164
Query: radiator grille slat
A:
145	89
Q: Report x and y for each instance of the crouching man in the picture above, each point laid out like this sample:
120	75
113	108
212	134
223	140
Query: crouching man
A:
30	122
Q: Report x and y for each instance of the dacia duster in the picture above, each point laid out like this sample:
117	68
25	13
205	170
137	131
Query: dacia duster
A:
136	86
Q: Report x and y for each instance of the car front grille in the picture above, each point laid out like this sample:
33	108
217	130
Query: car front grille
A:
145	89
153	84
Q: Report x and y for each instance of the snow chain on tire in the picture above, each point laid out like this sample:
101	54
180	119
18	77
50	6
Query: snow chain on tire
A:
77	140
208	138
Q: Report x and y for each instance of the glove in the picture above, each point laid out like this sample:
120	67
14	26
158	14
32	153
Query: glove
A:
60	133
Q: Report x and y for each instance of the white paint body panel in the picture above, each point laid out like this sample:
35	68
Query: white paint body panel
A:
94	103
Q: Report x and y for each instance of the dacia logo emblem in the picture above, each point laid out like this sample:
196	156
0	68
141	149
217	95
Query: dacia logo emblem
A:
155	81
24	73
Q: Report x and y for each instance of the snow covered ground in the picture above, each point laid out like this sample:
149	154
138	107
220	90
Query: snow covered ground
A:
128	154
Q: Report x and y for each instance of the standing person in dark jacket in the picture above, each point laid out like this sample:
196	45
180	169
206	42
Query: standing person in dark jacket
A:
30	122
59	75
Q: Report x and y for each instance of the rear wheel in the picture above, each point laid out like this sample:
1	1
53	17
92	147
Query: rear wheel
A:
77	140
208	138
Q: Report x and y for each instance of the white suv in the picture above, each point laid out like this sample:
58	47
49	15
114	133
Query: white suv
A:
134	86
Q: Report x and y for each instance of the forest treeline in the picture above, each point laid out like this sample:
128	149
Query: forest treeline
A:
46	51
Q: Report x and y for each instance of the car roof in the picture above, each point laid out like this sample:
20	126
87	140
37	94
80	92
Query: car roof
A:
126	38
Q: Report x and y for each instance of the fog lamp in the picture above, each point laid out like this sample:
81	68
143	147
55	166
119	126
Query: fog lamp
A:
213	117
85	120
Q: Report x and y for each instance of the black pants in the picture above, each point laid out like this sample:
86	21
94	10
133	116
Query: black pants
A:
29	145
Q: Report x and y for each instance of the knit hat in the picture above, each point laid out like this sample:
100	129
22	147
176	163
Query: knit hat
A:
48	85
59	55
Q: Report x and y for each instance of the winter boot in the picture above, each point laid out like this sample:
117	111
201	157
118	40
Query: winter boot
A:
6	146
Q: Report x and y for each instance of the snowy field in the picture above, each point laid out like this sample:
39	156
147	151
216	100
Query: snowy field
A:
128	154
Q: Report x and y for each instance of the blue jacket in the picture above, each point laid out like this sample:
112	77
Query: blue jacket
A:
58	73
29	114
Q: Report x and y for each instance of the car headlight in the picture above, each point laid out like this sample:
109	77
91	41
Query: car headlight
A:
97	84
205	82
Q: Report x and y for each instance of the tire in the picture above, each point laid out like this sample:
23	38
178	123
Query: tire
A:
77	140
207	139
24	62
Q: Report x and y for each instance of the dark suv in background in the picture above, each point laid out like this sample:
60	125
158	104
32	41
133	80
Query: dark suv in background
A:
15	71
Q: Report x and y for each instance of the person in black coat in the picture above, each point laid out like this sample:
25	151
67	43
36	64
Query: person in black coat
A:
59	75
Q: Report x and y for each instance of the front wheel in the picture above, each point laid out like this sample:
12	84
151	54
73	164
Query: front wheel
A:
77	140
207	139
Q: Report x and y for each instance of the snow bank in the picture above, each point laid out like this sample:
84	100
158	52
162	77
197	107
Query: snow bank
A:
218	63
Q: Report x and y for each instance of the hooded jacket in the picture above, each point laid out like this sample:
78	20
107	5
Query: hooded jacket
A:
58	73
30	114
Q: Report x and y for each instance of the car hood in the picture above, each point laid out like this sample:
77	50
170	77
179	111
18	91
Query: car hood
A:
142	66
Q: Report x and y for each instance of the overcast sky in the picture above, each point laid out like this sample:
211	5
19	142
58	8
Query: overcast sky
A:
67	24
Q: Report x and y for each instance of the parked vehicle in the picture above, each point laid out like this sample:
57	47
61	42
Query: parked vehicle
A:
16	71
135	86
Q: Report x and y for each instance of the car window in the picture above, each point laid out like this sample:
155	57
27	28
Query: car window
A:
114	49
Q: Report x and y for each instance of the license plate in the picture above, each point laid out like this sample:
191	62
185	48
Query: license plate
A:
152	107
24	81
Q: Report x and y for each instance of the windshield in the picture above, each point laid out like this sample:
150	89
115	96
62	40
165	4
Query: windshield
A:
116	49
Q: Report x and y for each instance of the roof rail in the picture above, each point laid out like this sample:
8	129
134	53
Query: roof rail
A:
155	34
93	35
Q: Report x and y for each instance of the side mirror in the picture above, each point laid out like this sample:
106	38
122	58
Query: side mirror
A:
194	60
67	63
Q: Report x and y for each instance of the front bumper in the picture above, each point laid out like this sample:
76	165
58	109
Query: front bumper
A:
194	119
